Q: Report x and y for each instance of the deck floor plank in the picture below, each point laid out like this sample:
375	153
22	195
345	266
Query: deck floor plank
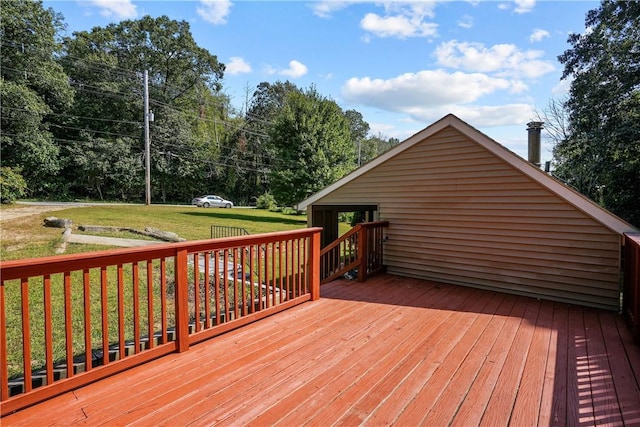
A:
500	406
474	406
626	385
391	350
553	408
529	397
474	330
605	401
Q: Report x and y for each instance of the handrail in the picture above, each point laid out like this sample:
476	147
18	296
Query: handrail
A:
631	295
360	248
83	317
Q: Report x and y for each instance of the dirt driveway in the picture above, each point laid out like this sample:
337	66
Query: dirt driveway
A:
28	210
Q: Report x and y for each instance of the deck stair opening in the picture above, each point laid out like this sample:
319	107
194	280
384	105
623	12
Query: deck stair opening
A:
359	249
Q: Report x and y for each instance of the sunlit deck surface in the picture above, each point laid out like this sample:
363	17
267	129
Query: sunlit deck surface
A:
391	350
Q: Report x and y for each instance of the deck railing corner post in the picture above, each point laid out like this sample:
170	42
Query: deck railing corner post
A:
314	263
182	301
362	253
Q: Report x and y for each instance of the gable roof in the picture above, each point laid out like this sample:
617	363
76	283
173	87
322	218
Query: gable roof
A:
565	192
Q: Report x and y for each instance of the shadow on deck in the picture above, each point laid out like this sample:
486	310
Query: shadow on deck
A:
390	350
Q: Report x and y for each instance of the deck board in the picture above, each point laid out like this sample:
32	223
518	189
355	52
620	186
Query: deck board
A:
391	350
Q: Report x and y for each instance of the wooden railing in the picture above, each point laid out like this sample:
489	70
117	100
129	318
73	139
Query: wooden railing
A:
631	295
66	321
361	249
222	231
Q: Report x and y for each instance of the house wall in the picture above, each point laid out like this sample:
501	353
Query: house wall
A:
459	214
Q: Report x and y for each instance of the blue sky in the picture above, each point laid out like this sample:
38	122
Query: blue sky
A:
403	65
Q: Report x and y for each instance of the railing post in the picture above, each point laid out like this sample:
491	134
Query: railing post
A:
182	302
363	248
314	266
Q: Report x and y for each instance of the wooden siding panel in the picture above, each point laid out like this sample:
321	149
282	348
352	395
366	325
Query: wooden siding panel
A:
459	214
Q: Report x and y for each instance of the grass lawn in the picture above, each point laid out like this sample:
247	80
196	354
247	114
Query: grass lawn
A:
28	238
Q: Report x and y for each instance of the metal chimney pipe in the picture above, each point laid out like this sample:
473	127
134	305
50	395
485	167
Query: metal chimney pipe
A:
534	129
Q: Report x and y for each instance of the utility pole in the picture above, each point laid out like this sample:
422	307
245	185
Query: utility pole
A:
147	142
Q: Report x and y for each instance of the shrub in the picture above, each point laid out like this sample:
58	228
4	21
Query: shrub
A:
12	184
266	201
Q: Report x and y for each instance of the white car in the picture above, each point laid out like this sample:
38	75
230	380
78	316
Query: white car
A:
212	201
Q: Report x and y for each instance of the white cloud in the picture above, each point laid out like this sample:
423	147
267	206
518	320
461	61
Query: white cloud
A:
296	69
402	20
521	6
466	21
325	8
428	95
121	9
538	35
214	11
502	59
397	26
492	116
426	89
562	88
237	65
524	6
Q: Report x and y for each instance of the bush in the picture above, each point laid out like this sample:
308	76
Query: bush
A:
266	201
12	184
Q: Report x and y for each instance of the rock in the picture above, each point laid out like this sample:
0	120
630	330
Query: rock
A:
167	236
54	222
97	228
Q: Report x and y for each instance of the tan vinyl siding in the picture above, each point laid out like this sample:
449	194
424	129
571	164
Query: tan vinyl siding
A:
460	214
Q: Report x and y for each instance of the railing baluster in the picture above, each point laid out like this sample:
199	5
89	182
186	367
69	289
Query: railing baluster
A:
243	279
48	328
163	298
216	279
68	328
4	368
236	299
88	355
196	291
150	321
207	303
251	282
225	280
105	315
136	307
26	333
121	346
259	275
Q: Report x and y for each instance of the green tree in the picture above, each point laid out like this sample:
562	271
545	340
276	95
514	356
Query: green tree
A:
258	152
359	130
32	86
601	155
314	147
106	66
12	184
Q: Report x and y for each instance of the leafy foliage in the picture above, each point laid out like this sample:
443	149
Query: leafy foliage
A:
12	184
601	155
32	85
266	201
73	117
314	147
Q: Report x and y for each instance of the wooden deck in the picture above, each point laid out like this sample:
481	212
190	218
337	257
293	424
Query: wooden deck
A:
388	351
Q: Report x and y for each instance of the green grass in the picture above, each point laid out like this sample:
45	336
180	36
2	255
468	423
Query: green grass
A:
28	238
